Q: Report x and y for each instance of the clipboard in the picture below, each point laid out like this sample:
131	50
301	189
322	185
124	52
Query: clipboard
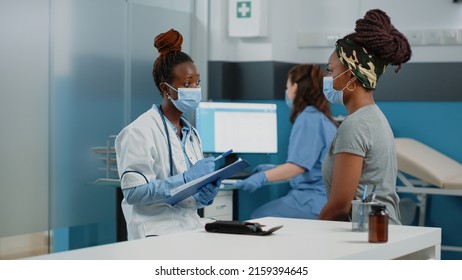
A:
186	190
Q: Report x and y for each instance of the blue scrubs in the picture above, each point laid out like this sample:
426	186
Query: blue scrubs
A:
309	141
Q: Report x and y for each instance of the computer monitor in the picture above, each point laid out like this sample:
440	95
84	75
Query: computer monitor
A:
243	127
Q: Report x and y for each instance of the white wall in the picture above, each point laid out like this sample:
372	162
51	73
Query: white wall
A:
289	17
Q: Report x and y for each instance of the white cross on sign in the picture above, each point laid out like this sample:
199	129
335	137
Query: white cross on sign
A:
243	9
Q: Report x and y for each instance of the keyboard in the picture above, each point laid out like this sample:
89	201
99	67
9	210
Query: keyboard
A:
240	175
229	181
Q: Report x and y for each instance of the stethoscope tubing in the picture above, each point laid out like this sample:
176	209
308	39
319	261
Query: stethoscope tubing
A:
170	157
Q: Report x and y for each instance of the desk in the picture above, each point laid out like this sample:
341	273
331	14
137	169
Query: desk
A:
224	207
121	226
297	240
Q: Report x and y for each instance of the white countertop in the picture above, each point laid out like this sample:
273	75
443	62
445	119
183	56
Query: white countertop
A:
299	239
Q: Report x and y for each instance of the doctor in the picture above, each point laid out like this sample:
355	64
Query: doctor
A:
160	150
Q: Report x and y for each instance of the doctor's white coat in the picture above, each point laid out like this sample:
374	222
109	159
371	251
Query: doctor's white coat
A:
142	146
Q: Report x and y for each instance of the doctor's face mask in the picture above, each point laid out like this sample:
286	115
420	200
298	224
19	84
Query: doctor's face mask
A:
188	98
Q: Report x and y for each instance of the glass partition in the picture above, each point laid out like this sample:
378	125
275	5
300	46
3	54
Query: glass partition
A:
73	73
24	111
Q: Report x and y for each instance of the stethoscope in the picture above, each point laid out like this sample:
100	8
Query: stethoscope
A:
170	156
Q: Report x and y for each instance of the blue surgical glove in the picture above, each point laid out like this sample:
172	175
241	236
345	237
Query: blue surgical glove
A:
263	167
201	168
252	183
207	193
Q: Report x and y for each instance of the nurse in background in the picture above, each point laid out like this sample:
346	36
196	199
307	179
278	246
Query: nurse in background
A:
312	132
160	150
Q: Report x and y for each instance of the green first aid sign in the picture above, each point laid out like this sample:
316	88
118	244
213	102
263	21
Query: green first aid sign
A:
243	9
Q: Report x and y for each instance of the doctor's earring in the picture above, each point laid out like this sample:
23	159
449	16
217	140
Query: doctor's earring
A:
348	86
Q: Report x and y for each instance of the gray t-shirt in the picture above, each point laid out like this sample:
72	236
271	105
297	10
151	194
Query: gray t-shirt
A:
367	133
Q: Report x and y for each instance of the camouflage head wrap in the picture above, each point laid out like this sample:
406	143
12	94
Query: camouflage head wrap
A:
366	67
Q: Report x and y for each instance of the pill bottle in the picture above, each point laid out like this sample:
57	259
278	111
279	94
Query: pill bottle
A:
378	223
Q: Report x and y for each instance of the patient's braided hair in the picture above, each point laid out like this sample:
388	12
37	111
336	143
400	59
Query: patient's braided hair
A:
168	45
376	33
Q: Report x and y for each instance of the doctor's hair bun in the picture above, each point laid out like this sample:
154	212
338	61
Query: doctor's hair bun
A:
170	55
376	33
168	42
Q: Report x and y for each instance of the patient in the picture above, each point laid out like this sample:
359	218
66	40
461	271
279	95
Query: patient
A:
363	150
311	135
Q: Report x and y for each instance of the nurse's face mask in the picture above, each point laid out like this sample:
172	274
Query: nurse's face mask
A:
289	102
188	98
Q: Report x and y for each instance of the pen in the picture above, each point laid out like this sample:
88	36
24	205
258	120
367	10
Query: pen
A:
223	155
371	196
360	217
364	193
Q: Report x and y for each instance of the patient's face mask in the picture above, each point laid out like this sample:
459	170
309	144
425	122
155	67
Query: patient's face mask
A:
332	95
289	102
188	98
